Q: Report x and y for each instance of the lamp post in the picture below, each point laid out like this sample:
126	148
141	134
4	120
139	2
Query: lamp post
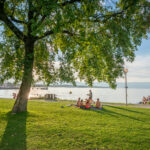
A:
125	73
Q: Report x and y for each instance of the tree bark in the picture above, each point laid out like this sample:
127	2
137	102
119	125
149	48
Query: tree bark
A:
22	97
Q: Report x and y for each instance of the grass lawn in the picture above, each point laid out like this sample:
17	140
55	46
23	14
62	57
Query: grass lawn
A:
48	126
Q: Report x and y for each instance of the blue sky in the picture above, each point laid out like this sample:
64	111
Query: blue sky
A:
144	49
139	70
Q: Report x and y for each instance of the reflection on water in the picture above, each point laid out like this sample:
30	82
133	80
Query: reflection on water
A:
105	94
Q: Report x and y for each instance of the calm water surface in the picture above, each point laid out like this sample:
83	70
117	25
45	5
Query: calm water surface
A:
105	94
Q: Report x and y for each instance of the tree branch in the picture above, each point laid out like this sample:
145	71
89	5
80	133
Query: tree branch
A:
51	32
44	16
30	17
2	5
106	17
8	22
17	21
12	16
13	28
41	21
70	2
37	12
44	35
68	32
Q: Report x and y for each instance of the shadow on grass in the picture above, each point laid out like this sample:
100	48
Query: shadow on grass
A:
125	109
114	114
14	137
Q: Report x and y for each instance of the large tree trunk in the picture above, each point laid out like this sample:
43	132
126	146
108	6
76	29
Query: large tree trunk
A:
22	97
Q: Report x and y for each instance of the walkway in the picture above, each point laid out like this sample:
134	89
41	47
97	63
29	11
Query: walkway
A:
134	105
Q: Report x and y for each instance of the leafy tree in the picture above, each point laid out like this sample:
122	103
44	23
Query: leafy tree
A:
85	38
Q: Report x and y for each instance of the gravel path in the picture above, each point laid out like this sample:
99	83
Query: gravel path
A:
136	105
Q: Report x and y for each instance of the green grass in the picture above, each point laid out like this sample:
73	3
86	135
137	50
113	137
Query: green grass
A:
48	126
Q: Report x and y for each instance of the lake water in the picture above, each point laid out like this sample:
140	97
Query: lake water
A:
105	94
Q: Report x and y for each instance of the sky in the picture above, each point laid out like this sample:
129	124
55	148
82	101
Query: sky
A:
139	70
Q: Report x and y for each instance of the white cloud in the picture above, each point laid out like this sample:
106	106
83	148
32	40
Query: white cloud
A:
139	70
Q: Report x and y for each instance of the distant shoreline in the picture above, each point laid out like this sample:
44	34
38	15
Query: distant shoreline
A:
11	88
65	86
8	88
131	85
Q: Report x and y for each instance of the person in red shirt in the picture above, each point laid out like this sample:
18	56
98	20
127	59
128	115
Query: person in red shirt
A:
87	105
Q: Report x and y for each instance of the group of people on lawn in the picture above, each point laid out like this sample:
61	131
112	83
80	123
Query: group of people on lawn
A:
87	104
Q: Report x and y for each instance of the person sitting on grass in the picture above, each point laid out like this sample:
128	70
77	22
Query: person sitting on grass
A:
98	104
148	98
90	101
81	104
78	102
86	100
87	105
144	100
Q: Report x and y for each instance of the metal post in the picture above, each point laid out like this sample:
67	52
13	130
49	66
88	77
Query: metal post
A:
126	88
125	73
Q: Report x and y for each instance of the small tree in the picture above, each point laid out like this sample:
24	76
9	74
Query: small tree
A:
89	38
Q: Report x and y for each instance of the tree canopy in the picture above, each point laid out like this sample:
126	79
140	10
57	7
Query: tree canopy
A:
87	39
